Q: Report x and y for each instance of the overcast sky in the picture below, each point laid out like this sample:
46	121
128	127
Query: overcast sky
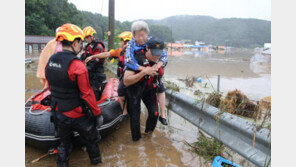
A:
158	9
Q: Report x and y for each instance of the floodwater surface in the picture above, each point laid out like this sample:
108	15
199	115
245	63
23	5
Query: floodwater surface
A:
236	68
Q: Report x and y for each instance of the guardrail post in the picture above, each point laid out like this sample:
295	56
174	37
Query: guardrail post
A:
218	84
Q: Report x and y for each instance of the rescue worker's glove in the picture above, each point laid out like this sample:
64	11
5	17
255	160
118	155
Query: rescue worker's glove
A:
100	120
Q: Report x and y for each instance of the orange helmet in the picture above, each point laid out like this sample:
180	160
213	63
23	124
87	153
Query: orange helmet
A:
126	35
89	31
69	32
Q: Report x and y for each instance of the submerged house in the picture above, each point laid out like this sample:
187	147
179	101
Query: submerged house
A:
36	42
175	49
177	46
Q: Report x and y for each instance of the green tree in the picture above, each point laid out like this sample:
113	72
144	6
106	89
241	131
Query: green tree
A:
35	25
42	17
116	39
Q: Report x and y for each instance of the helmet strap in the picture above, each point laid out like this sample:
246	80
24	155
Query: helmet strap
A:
74	50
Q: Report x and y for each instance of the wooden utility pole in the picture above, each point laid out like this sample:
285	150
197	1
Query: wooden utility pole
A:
111	25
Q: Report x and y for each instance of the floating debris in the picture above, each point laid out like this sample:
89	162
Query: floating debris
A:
266	102
214	99
189	81
197	93
245	59
222	162
172	86
207	147
238	103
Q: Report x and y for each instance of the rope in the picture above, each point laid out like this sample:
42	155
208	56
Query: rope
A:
105	103
37	113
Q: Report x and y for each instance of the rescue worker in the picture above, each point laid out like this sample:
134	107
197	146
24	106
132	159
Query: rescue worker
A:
140	86
138	45
73	101
119	53
50	48
95	67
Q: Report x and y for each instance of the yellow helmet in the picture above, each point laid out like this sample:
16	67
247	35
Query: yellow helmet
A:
69	32
89	31
126	35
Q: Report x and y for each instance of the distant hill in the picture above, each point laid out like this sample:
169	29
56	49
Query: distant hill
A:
42	17
234	32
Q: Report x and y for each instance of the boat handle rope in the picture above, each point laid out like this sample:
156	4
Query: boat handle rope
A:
48	109
105	103
37	113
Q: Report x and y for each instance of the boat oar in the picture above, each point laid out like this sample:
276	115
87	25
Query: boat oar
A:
50	152
36	160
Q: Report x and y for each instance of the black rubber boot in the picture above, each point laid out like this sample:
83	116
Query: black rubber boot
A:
163	121
123	118
96	160
63	156
62	164
94	154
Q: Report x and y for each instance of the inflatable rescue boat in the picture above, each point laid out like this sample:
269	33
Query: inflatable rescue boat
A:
40	132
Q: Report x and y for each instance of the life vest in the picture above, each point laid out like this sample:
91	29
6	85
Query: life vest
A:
64	92
146	83
120	65
152	82
95	65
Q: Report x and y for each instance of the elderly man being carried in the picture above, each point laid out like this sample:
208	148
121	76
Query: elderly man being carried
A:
137	46
144	85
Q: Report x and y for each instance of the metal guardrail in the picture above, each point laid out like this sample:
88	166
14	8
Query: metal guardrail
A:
28	61
236	133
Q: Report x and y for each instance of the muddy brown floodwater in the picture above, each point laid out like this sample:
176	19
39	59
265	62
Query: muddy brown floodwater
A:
235	68
165	147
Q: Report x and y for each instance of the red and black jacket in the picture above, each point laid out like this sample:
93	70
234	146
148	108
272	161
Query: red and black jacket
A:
152	82
120	65
147	83
95	47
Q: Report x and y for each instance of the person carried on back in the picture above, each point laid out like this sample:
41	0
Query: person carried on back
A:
137	46
144	85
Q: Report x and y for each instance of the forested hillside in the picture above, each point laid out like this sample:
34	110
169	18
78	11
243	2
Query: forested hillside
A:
44	16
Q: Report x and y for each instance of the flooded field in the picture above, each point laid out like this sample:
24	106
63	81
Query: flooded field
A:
166	146
235	69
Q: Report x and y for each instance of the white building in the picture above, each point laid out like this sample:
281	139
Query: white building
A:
267	46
